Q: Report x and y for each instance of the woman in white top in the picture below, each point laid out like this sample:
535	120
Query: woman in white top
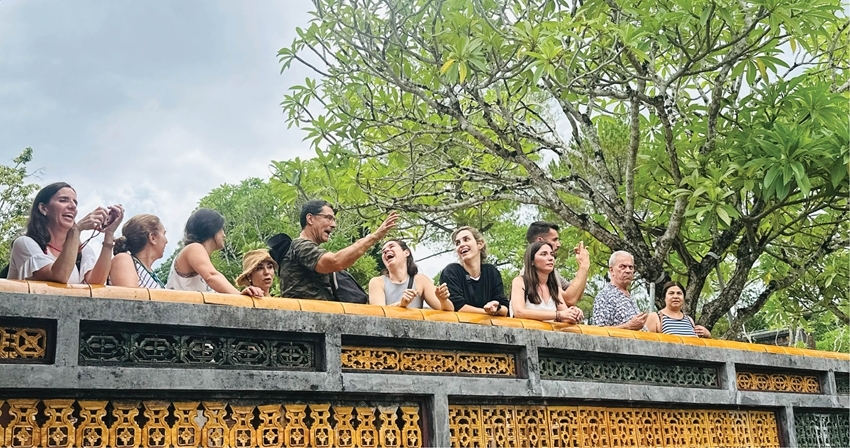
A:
192	269
141	243
50	249
401	283
536	294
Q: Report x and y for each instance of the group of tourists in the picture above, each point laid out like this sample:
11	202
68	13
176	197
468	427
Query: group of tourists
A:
51	250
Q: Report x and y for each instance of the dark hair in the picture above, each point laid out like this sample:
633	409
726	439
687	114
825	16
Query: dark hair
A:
313	207
539	228
530	279
134	234
202	225
669	285
37	224
412	269
475	235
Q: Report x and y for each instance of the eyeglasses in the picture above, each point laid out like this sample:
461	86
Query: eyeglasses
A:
330	218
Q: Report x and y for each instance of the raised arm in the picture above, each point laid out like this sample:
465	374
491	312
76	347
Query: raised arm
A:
100	272
437	297
573	293
343	259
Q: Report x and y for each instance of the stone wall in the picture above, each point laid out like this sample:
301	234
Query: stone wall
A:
98	366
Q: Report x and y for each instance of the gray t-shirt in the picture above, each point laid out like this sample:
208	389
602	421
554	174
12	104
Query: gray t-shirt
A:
394	291
298	276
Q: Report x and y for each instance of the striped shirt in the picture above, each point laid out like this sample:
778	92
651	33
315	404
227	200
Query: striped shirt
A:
147	279
680	327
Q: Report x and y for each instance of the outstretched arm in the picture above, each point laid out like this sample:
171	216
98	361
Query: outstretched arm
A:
337	261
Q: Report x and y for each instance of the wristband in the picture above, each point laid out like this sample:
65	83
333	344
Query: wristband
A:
109	245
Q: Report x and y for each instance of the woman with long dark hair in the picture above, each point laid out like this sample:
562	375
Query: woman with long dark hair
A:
672	318
50	249
192	269
141	243
536	293
402	285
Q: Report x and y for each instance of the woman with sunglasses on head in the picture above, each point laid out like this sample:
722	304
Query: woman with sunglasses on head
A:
536	293
50	249
401	283
192	269
474	286
141	243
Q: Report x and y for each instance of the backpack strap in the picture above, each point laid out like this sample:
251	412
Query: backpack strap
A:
409	282
334	283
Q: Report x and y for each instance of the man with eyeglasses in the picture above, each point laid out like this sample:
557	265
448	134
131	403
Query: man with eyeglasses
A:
305	269
614	306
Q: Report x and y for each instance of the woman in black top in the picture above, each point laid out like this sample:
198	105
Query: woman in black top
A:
474	286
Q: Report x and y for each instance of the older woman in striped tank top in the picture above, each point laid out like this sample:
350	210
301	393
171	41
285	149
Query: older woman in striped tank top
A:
672	318
141	243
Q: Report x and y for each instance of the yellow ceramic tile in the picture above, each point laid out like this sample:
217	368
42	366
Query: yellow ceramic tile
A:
647	336
719	343
474	318
670	338
403	313
322	306
363	310
690	340
735	345
214	298
505	322
277	303
593	330
621	333
566	328
59	289
14	286
120	292
775	349
535	324
169	295
792	351
440	316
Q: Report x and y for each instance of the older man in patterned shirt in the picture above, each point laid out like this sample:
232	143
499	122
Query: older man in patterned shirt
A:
614	306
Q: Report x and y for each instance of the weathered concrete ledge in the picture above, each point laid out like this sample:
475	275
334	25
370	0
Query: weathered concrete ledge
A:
116	344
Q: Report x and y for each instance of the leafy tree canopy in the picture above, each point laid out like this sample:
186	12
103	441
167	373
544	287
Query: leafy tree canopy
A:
707	138
15	201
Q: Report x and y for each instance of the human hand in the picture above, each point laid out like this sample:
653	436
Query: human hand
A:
116	215
406	297
702	331
637	322
94	220
387	225
492	307
443	292
566	316
576	313
582	256
253	291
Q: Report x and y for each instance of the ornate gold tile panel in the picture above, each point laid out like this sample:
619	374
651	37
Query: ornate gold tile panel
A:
155	424
579	426
23	343
427	361
778	382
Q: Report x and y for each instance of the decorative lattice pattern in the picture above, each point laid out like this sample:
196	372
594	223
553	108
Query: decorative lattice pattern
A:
427	361
822	430
22	343
573	426
778	382
209	349
155	424
842	383
616	371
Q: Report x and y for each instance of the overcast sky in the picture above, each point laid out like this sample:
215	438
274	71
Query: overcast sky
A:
149	104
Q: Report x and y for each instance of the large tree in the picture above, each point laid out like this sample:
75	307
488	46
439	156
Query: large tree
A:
701	136
15	201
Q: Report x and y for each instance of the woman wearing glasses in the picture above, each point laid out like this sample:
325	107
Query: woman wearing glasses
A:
141	243
192	269
50	249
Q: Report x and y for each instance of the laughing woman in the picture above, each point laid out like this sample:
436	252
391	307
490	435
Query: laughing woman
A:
401	284
50	250
474	286
536	294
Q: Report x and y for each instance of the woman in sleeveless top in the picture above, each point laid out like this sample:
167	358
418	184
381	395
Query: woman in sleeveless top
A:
141	243
672	318
192	269
401	283
50	249
536	293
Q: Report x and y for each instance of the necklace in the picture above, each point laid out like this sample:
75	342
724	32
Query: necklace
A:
54	247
